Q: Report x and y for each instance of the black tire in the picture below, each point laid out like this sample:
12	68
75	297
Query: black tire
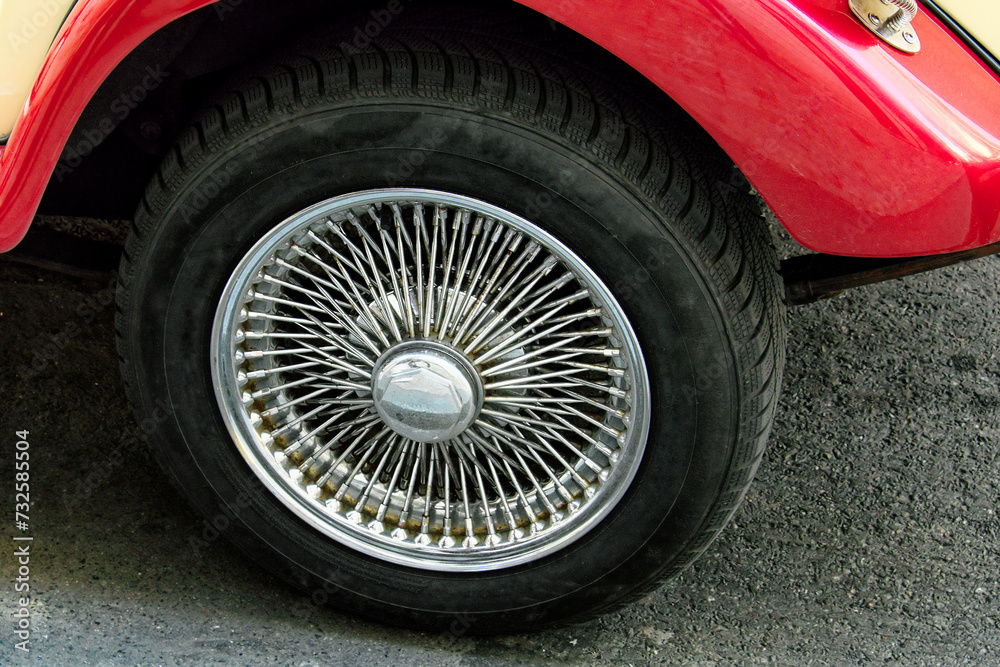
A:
637	193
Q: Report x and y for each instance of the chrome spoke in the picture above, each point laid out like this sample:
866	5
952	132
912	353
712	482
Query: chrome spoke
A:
458	223
454	297
511	243
411	487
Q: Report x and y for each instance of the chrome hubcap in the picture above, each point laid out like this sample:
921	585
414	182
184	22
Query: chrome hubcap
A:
430	379
426	391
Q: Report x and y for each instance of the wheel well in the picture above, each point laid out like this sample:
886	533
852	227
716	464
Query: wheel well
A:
142	107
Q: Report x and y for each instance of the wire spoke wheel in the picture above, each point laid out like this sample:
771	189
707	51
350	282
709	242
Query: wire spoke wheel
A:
430	379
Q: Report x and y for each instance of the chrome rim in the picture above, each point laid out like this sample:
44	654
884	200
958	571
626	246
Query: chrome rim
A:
430	379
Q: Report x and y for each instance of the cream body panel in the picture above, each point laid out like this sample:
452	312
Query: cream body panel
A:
981	18
27	28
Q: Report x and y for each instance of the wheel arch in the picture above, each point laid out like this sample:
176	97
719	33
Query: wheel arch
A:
737	69
119	138
117	126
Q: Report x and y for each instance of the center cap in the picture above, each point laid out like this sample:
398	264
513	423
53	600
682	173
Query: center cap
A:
426	391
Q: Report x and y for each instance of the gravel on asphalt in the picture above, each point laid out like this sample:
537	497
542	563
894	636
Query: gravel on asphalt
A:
870	534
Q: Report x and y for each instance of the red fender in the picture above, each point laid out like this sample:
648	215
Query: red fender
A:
96	36
858	149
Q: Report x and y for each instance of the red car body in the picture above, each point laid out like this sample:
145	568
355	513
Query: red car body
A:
859	149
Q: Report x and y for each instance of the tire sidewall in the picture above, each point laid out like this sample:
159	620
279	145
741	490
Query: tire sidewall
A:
240	192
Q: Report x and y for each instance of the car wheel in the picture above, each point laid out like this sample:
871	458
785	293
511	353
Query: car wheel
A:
445	332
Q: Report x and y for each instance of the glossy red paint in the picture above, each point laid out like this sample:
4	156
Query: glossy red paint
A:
859	150
95	38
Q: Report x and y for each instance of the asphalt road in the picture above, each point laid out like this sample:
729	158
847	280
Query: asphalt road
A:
870	535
